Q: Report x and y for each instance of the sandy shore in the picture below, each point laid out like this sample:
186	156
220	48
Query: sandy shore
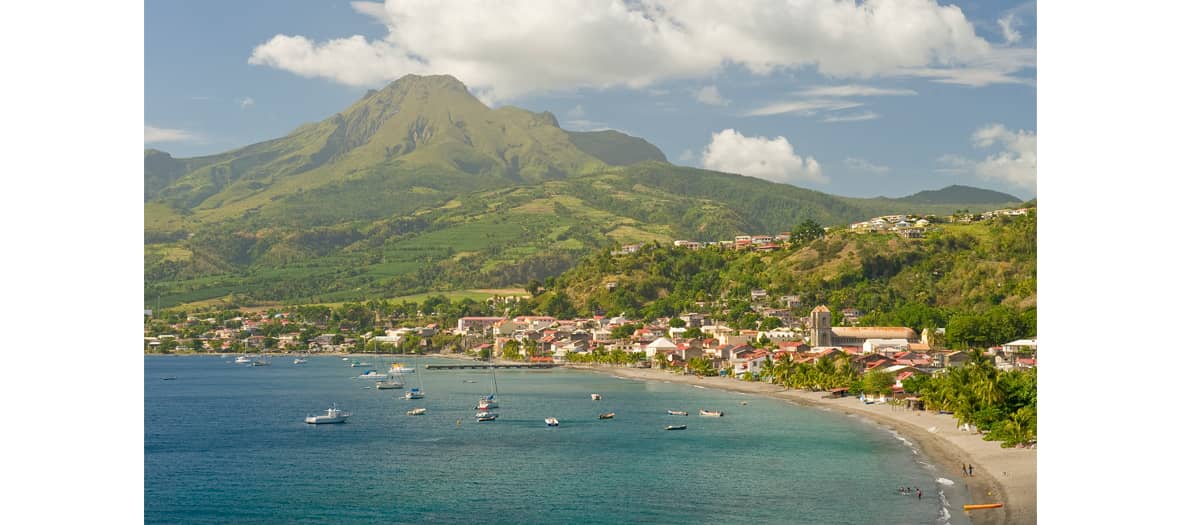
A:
1001	475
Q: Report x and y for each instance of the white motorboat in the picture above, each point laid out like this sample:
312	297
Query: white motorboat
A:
359	364
415	393
675	427
389	385
552	421
331	415
416	412
243	360
299	361
372	374
596	397
712	413
677	413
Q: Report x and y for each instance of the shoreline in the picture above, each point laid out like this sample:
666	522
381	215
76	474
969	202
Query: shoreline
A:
1001	475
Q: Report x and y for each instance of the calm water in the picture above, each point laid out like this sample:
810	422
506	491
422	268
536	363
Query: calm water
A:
226	443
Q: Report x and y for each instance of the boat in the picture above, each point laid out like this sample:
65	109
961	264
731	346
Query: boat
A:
331	415
372	374
415	392
677	413
169	378
712	413
608	415
489	401
416	412
983	506
486	416
675	427
362	363
596	397
389	385
242	360
470	381
552	421
344	358
299	361
398	368
260	361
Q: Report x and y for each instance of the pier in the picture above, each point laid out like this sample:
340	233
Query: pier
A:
485	366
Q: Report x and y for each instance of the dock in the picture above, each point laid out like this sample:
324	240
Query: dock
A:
485	366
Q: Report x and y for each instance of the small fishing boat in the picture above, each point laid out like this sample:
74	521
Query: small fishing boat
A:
608	415
331	415
712	413
415	393
486	416
596	397
677	413
552	421
388	385
416	412
675	427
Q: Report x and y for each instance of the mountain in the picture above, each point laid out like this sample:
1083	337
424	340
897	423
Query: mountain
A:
421	187
957	194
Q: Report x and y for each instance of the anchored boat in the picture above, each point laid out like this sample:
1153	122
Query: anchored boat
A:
677	413
552	421
331	415
712	413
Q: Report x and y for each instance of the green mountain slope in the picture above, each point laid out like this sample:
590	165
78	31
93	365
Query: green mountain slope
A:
958	194
420	187
965	268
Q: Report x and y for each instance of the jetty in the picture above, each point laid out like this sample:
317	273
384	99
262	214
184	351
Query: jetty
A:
485	366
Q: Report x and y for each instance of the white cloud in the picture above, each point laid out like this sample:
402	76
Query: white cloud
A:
1016	164
805	107
585	125
853	90
771	159
1008	25
711	96
855	117
154	134
954	164
864	165
576	112
246	103
511	48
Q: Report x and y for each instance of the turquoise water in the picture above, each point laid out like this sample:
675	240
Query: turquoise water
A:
226	443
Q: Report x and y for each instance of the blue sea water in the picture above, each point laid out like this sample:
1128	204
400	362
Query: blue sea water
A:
226	443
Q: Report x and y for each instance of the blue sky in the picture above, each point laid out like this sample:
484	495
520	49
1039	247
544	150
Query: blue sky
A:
858	99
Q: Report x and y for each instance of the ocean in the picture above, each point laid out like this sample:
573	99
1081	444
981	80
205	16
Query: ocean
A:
226	443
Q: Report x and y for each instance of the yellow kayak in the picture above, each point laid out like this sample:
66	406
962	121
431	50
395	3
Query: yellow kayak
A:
983	506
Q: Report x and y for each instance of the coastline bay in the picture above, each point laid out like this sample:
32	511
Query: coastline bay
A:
226	443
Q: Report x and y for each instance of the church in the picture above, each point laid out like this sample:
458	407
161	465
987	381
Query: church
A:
824	334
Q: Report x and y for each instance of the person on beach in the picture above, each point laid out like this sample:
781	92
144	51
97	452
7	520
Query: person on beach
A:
919	494
970	470
964	469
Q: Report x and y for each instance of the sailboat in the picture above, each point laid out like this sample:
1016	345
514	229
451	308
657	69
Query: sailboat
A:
416	392
489	401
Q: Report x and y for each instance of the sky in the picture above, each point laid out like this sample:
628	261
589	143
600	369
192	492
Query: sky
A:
859	99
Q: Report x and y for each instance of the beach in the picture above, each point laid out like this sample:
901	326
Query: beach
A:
1001	475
